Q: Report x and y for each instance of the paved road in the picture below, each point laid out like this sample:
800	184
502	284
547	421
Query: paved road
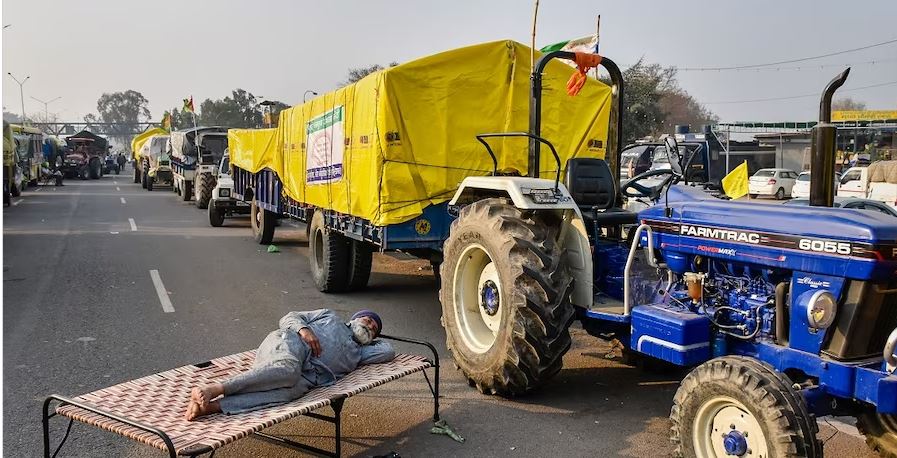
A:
81	312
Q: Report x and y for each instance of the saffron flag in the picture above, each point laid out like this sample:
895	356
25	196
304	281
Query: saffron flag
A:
188	105
735	184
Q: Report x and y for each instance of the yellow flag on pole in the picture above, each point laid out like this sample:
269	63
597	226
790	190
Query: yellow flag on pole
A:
735	184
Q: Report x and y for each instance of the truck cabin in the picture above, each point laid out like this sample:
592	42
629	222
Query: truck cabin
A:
211	146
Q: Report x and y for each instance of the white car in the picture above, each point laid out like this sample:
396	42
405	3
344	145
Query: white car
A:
772	182
801	189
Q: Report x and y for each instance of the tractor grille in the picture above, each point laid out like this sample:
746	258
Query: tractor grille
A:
866	317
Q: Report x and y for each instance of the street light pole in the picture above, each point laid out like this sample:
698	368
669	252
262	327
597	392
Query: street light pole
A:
46	111
21	92
306	93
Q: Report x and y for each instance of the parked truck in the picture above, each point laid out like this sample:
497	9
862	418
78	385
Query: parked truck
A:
155	163
782	314
195	155
877	181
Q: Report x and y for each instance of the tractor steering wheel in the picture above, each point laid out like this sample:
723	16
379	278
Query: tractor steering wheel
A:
652	192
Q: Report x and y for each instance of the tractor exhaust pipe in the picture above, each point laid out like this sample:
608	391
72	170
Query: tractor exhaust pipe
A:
823	146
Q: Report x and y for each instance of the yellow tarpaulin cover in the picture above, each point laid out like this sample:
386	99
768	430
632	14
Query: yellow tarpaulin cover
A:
139	140
403	138
254	149
735	184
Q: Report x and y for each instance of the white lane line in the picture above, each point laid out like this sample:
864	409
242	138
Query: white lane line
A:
117	188
123	200
114	232
161	291
114	182
133	224
17	202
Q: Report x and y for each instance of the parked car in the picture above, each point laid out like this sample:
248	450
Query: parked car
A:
852	202
772	182
801	189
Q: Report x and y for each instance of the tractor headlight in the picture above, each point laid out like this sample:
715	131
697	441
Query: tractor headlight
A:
224	192
821	309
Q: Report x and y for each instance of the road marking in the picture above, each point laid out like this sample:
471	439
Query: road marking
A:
114	182
161	291
123	200
133	224
17	202
114	232
117	188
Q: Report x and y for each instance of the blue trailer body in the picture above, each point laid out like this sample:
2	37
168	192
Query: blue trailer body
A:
425	232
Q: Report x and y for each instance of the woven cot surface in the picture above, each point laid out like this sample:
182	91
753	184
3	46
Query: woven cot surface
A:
160	401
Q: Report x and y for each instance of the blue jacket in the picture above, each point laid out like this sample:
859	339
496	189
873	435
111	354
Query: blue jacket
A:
340	353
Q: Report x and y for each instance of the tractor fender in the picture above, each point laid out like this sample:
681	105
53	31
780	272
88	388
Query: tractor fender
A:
573	235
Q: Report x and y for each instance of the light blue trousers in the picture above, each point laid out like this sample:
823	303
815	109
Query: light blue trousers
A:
275	378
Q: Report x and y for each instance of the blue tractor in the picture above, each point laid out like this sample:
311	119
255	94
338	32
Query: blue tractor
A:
784	313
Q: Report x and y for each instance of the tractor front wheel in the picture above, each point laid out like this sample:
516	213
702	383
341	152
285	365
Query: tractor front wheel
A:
216	215
505	297
880	431
204	190
738	406
96	169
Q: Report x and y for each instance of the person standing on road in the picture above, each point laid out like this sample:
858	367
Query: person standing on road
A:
310	349
121	161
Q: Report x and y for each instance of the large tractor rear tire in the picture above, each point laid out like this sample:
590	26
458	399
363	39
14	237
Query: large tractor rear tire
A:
205	185
328	253
262	222
505	297
361	257
880	431
733	404
96	169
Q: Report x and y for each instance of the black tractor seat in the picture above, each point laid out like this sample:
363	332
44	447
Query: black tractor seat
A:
592	186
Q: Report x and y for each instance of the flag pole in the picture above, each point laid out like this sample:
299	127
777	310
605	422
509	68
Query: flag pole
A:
532	50
597	41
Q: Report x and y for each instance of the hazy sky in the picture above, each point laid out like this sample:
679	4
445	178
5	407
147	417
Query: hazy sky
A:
168	50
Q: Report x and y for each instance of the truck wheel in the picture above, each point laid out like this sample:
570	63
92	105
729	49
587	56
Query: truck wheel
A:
736	405
136	175
328	253
753	196
186	188
149	183
204	190
505	297
144	179
880	431
262	222
216	216
780	194
361	256
95	169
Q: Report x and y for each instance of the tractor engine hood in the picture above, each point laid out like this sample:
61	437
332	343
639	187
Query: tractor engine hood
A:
831	241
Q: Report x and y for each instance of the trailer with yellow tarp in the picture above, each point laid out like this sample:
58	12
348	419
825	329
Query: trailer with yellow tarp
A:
381	157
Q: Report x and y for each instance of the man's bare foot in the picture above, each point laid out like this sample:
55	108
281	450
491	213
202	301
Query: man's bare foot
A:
196	410
205	394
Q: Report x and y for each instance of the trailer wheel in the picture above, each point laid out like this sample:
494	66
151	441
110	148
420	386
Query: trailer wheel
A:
328	253
262	222
149	183
880	431
144	179
361	256
216	216
96	169
736	405
505	297
136	174
186	190
204	192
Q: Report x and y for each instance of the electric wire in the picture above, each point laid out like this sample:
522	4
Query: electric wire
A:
788	61
792	97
